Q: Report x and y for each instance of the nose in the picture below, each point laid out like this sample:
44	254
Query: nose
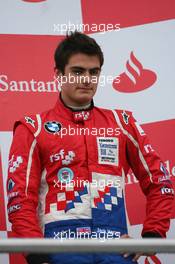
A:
86	78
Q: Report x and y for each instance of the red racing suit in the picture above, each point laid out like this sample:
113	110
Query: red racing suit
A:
67	172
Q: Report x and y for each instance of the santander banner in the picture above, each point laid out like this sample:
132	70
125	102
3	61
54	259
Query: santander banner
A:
138	75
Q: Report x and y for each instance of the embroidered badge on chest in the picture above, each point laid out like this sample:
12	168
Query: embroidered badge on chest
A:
108	150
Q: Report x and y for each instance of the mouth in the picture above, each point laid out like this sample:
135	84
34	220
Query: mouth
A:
84	89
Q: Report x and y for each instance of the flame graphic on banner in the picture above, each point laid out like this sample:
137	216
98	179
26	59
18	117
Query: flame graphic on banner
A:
136	78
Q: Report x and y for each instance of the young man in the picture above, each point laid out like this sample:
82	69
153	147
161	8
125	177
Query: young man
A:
66	178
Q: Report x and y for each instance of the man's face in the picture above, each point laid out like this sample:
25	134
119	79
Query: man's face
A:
80	79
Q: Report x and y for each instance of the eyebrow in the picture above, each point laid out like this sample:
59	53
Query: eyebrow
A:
82	68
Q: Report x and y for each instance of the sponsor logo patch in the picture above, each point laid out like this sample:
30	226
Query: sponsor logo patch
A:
10	184
52	127
167	190
12	195
13	208
14	164
66	159
84	115
166	176
30	121
148	148
65	175
108	150
81	230
125	117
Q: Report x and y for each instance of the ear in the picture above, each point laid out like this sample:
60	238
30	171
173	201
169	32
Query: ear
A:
57	74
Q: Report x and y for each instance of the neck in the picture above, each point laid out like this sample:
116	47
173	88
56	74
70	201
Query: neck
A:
82	107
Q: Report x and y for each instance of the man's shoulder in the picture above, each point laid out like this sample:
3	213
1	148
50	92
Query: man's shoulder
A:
122	114
124	118
33	121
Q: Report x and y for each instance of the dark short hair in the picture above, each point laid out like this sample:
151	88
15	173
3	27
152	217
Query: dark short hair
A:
76	42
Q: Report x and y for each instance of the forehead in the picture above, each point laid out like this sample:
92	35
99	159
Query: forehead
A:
83	60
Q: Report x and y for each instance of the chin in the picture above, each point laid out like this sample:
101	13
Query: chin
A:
84	99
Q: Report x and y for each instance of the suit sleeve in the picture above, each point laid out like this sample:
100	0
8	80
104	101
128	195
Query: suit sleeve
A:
24	175
153	177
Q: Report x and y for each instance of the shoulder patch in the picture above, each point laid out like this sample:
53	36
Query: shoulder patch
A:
125	117
33	123
30	121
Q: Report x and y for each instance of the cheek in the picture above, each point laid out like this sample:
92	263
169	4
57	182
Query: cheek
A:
68	80
94	85
68	87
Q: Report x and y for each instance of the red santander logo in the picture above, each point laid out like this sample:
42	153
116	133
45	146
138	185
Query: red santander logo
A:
135	78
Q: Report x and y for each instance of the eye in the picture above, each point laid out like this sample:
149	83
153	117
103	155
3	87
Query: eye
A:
77	72
94	71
